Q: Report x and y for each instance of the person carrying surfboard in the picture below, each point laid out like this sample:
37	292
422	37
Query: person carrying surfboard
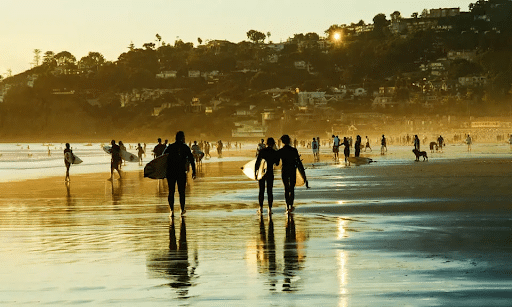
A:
179	155
115	161
66	162
290	162
271	157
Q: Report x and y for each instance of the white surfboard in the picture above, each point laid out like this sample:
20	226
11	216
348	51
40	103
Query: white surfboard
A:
67	157
156	168
126	156
248	169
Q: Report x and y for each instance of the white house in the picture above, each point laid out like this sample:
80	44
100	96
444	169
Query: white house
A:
167	74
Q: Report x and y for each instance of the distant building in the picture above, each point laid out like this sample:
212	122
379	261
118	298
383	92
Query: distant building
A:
167	74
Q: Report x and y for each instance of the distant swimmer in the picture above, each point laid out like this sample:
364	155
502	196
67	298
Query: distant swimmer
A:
357	146
68	164
115	161
367	145
383	145
159	149
272	158
336	147
290	159
469	141
140	152
179	156
315	148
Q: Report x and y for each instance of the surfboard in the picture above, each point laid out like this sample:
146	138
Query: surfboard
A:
67	157
300	176
248	169
156	168
359	160
124	154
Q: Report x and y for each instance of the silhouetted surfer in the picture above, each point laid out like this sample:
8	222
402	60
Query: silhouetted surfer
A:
68	164
115	160
159	149
270	155
290	162
179	155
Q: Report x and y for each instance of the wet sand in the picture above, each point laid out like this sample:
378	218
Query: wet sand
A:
437	233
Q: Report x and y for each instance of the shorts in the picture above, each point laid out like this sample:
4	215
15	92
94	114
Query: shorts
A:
335	149
315	151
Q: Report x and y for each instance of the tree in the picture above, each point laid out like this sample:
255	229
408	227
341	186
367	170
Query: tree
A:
380	24
396	16
268	36
149	46
65	58
37	57
424	13
131	47
92	61
414	15
199	40
256	36
49	59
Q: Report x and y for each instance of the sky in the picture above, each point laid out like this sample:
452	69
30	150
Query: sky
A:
109	26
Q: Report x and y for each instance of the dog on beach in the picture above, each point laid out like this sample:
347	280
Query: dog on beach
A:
433	145
420	154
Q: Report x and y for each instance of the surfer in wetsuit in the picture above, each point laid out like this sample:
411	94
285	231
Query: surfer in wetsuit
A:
290	162
346	150
271	157
68	164
179	155
115	160
159	149
357	146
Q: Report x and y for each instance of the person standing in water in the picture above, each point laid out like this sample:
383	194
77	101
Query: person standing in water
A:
290	162
440	143
314	146
68	164
115	161
357	146
179	156
272	158
346	150
383	145
140	152
469	141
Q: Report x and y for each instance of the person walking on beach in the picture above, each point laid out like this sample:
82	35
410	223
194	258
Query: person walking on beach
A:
336	147
159	149
440	143
66	162
469	141
290	159
207	150
272	158
115	161
357	146
346	150
383	145
140	152
179	156
367	145
315	148
416	142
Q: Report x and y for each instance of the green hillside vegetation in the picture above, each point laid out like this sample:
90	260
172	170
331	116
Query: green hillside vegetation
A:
71	97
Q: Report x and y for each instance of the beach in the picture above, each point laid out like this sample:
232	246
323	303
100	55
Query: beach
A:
394	232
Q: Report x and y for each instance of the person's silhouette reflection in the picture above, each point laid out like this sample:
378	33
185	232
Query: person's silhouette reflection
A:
266	252
117	192
291	255
178	263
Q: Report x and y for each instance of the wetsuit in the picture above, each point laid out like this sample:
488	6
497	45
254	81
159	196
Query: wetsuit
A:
357	147
179	155
271	156
159	149
290	160
116	157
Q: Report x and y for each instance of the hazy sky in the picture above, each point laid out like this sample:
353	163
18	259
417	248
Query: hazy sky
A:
108	26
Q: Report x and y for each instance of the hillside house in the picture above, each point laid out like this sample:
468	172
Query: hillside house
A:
168	74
